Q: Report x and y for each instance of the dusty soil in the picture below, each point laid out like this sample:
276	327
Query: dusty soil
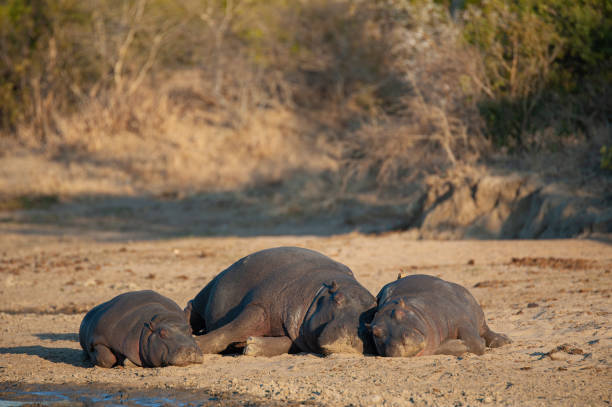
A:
551	297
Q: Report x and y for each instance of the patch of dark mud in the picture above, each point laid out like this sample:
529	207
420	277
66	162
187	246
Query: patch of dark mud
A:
45	263
17	394
491	284
565	348
553	263
499	283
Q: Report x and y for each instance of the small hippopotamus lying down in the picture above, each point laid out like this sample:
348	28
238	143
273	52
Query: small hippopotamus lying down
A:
141	327
280	300
425	315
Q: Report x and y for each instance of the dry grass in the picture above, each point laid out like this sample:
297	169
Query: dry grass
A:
355	97
251	119
160	148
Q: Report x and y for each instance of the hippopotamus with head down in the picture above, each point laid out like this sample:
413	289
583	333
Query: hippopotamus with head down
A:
280	300
141	327
424	315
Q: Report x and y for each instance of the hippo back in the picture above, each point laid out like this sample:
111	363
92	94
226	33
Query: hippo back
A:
267	277
433	293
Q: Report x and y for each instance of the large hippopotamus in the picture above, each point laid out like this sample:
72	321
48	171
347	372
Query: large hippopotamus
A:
284	299
425	315
141	327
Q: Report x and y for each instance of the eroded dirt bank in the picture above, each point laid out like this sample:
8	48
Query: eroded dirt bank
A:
552	297
466	203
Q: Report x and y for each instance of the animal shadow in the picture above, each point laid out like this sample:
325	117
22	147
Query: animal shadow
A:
74	357
58	337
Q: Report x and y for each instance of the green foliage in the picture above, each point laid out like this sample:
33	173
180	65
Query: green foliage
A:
25	202
24	33
519	47
545	63
536	53
606	158
586	26
40	59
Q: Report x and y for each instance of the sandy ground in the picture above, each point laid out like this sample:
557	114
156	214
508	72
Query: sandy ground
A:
551	297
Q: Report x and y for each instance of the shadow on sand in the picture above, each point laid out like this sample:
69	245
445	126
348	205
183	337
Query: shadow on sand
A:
260	211
298	207
17	394
74	357
58	337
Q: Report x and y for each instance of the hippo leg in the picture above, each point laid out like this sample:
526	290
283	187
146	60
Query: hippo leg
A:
267	345
103	356
198	326
469	335
248	323
455	347
128	364
494	339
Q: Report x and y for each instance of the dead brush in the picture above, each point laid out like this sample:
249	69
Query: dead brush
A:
433	123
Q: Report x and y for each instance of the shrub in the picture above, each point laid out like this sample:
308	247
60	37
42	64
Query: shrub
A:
24	36
538	57
606	158
57	55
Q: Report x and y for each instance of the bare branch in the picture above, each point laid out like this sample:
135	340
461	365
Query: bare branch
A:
147	65
140	6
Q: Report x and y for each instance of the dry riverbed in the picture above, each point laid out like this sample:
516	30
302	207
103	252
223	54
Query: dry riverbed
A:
553	298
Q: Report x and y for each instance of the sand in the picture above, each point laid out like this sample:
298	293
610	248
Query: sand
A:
552	297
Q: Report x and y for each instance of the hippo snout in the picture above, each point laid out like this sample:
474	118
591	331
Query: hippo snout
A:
403	349
186	356
340	341
400	345
394	340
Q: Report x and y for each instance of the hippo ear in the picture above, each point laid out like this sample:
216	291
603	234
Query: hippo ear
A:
399	275
334	287
397	314
187	311
401	303
377	331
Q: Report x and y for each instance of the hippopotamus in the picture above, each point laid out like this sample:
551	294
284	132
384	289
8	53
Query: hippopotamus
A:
280	300
141	327
425	315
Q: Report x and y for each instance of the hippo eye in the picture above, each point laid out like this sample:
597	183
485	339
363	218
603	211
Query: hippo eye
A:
397	314
163	333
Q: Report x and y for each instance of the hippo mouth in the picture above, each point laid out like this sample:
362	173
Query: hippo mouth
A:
186	356
339	341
